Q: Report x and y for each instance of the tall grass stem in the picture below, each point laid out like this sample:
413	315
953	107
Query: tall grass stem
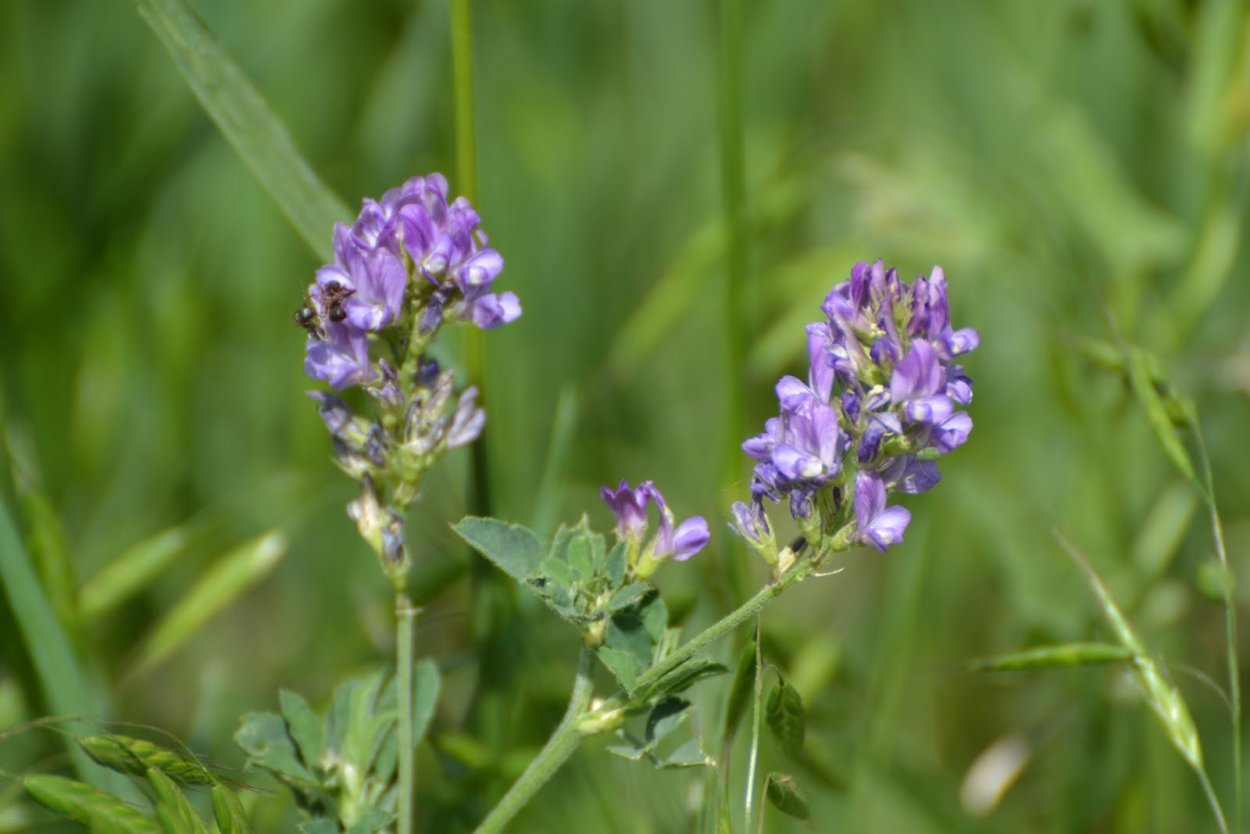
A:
464	143
1230	622
733	195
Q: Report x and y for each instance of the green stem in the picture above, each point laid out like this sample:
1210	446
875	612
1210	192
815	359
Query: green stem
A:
405	620
1230	623
464	142
566	738
727	624
1212	800
753	758
733	195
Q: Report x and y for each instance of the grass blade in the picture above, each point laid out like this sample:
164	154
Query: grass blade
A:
225	581
130	572
101	812
60	677
1063	654
244	118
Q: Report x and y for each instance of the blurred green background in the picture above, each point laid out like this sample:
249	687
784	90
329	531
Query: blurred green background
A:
1077	167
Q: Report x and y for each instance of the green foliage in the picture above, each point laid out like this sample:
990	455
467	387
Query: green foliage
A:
165	773
783	793
242	115
100	812
1079	175
786	718
340	767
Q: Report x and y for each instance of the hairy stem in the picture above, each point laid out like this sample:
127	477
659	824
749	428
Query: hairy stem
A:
405	621
726	624
566	738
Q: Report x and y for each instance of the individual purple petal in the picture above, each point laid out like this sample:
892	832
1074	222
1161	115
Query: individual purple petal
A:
379	279
480	269
691	536
928	409
876	524
965	340
630	506
494	310
910	475
953	432
341	359
791	390
958	385
917	375
820	376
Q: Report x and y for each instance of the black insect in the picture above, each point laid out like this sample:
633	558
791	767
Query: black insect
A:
333	294
307	318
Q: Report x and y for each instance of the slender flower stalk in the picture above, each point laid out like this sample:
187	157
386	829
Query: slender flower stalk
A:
405	625
411	261
559	747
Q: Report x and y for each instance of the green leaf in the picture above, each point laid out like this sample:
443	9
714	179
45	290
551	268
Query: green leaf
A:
684	676
244	118
512	548
783	792
741	690
173	811
580	557
225	581
689	754
426	685
1063	654
371	822
265	739
303	726
101	812
623	665
130	572
665	717
614	564
47	545
631	594
47	645
786	718
228	812
319	826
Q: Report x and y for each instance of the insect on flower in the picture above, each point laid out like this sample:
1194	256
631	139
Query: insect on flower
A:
307	318
333	294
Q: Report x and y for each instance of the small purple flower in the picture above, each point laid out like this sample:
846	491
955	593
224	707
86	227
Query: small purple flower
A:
630	506
917	379
467	421
876	524
810	446
376	279
688	539
341	358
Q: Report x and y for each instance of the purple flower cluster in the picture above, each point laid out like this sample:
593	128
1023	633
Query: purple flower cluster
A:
879	405
630	506
409	254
